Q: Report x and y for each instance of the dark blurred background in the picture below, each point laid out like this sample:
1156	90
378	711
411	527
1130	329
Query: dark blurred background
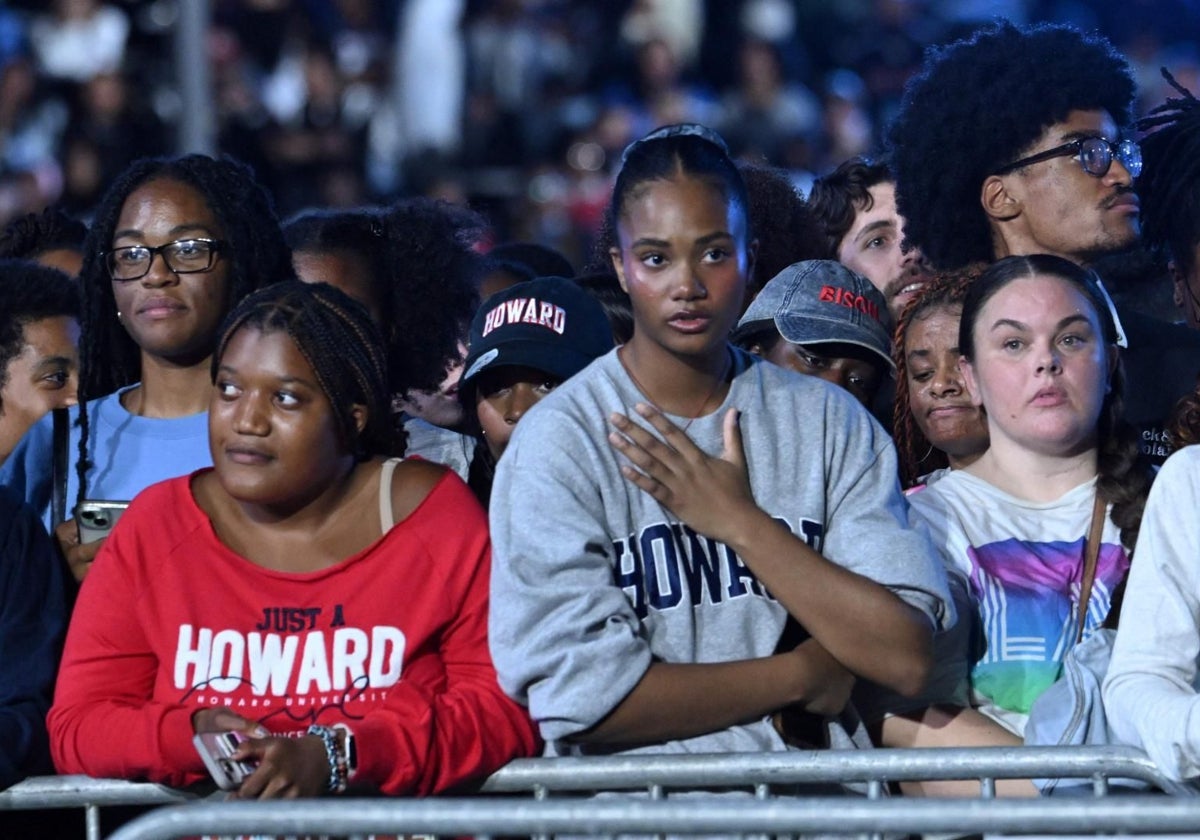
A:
518	107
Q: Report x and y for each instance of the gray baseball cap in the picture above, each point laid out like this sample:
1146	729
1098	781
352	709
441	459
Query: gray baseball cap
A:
822	302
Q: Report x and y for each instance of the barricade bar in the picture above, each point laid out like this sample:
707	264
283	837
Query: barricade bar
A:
697	815
80	791
743	770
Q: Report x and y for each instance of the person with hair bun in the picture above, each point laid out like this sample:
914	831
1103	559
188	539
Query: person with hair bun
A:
175	243
1039	356
326	602
663	515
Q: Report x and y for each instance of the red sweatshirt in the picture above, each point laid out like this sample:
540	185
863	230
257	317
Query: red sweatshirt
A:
391	641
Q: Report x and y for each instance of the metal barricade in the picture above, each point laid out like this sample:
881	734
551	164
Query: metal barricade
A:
54	792
657	774
1130	815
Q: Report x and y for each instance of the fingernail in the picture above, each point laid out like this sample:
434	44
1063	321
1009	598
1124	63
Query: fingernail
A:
261	732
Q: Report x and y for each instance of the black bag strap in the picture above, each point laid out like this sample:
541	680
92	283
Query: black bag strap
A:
58	502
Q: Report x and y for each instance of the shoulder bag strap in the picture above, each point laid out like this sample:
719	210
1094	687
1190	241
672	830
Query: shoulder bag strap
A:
1091	552
58	502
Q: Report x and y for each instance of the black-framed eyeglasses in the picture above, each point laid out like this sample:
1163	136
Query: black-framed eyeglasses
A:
183	256
1095	155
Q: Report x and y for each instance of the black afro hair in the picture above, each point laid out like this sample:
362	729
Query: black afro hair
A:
975	106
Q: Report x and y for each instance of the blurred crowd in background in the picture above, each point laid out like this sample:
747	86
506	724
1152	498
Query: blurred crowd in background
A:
518	107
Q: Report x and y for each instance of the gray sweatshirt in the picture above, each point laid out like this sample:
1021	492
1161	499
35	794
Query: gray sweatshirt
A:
592	579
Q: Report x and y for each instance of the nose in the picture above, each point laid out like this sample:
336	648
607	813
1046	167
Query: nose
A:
689	286
946	381
160	274
1050	362
1117	173
71	396
249	418
519	401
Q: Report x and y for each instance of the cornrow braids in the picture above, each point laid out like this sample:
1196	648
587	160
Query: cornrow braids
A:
109	359
29	236
342	344
1169	186
1123	474
917	455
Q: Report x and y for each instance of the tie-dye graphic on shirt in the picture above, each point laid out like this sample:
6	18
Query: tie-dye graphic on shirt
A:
1028	595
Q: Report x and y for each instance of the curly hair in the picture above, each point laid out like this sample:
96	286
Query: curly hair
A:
786	227
917	455
1169	186
837	198
1123	473
434	272
1183	423
424	275
256	254
975	105
29	292
28	237
341	343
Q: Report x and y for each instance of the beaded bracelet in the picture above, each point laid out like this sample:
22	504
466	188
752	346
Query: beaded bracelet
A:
337	760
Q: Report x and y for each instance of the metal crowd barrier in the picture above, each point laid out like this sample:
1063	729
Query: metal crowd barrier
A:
655	777
874	768
54	792
710	815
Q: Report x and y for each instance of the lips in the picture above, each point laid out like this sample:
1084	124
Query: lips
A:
1049	397
248	455
1124	201
690	321
949	410
160	307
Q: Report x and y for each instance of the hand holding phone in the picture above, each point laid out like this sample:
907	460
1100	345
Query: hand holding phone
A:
215	749
95	518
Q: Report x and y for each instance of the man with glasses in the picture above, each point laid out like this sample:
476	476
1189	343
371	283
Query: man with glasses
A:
1011	142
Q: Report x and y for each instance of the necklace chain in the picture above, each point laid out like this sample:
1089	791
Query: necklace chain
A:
699	409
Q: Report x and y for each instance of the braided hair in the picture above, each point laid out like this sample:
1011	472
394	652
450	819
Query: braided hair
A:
1169	186
256	255
30	236
917	455
342	344
1123	474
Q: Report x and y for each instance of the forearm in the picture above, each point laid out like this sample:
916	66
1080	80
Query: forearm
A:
674	701
864	625
114	740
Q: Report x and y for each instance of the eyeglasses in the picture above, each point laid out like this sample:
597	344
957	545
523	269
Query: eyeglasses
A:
183	256
1095	156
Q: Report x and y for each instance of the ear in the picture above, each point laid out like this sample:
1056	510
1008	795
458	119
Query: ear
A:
1179	282
997	201
614	254
972	384
358	413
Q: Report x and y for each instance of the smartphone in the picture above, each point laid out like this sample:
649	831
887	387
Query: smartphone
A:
216	748
95	518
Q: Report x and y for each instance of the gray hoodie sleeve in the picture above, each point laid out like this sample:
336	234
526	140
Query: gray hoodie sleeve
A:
565	640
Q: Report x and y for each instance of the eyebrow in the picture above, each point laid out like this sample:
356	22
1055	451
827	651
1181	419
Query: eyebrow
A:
49	361
662	243
286	380
874	226
175	231
1070	319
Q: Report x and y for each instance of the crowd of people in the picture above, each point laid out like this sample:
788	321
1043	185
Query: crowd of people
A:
397	503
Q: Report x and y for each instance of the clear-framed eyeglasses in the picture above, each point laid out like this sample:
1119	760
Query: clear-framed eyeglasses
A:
1095	155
